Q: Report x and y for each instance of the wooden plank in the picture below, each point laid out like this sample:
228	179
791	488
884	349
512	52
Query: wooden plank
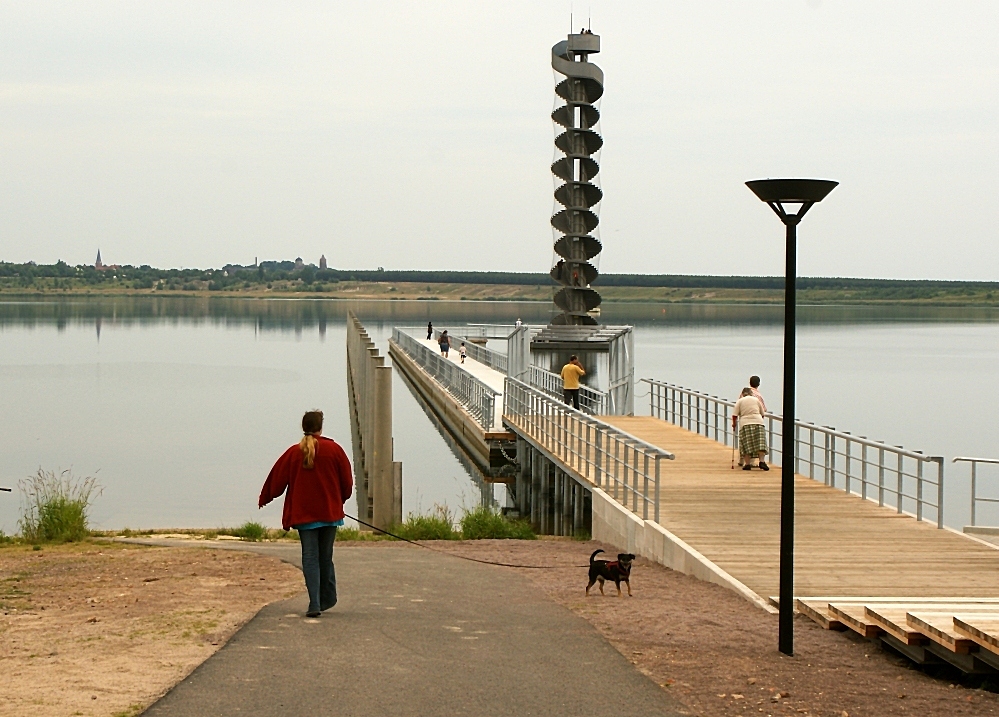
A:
900	600
983	629
819	612
939	627
818	609
892	619
854	617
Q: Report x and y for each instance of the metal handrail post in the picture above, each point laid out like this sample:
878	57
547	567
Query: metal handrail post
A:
974	465
656	506
863	471
597	472
898	494
940	490
881	476
645	488
919	490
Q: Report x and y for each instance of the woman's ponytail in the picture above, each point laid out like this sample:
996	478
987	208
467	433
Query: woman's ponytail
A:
308	446
312	423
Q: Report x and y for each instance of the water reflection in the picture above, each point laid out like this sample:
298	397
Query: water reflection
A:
300	314
184	402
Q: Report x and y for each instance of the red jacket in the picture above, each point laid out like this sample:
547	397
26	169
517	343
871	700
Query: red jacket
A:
314	494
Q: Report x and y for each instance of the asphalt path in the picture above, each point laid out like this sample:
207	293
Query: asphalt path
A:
415	633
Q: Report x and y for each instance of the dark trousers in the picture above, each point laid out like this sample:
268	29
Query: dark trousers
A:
317	565
571	396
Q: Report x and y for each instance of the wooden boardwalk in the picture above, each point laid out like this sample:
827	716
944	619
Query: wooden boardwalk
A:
857	565
844	545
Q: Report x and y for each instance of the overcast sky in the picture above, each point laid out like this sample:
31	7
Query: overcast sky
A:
417	134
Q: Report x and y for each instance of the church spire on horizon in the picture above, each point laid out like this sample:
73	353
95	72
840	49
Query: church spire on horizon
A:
98	264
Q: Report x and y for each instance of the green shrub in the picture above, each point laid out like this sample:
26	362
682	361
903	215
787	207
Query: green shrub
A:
55	508
438	525
483	522
254	532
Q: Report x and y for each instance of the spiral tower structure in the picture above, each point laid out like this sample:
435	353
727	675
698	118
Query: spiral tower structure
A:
575	168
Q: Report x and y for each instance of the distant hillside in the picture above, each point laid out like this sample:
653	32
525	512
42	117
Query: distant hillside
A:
280	277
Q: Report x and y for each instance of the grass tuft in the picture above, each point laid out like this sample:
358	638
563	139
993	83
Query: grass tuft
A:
484	523
250	531
55	508
438	525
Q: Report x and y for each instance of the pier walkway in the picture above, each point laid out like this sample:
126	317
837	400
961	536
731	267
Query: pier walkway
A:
415	634
489	376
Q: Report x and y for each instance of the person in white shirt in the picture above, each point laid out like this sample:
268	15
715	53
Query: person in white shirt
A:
461	352
748	414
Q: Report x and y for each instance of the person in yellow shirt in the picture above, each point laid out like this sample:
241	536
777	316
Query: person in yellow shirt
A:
570	381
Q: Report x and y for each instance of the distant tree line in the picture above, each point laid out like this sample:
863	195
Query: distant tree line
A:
234	275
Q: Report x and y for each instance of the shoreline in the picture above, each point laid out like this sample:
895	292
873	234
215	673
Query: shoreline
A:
507	293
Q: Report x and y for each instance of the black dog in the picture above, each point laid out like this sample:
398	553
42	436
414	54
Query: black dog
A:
619	571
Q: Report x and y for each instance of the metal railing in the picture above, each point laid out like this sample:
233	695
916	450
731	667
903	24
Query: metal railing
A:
974	482
625	467
590	400
891	475
476	397
492	359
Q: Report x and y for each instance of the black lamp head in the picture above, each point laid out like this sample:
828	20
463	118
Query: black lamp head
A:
804	192
791	191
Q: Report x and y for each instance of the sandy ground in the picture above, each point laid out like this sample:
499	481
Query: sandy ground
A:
104	629
717	653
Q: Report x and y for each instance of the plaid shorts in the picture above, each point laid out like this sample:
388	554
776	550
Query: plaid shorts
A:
752	439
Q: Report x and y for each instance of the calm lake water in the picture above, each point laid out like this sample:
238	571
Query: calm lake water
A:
181	405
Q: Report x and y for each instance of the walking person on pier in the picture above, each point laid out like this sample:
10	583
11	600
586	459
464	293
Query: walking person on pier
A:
430	330
571	373
748	415
445	343
462	352
317	476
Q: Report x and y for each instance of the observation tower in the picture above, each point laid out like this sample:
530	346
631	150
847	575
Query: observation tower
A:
575	168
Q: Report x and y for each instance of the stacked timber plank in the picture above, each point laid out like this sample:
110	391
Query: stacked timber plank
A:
948	627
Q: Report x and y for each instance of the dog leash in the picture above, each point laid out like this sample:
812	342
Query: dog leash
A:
464	557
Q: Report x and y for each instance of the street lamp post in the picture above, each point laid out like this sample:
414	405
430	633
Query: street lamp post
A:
777	193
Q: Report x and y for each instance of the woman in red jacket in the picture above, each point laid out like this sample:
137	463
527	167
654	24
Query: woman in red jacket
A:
317	474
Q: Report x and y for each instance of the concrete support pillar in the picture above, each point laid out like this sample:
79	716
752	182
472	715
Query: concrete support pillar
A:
546	480
577	520
378	477
559	498
383	474
520	482
536	461
567	484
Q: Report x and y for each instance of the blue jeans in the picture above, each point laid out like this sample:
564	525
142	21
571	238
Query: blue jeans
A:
317	565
